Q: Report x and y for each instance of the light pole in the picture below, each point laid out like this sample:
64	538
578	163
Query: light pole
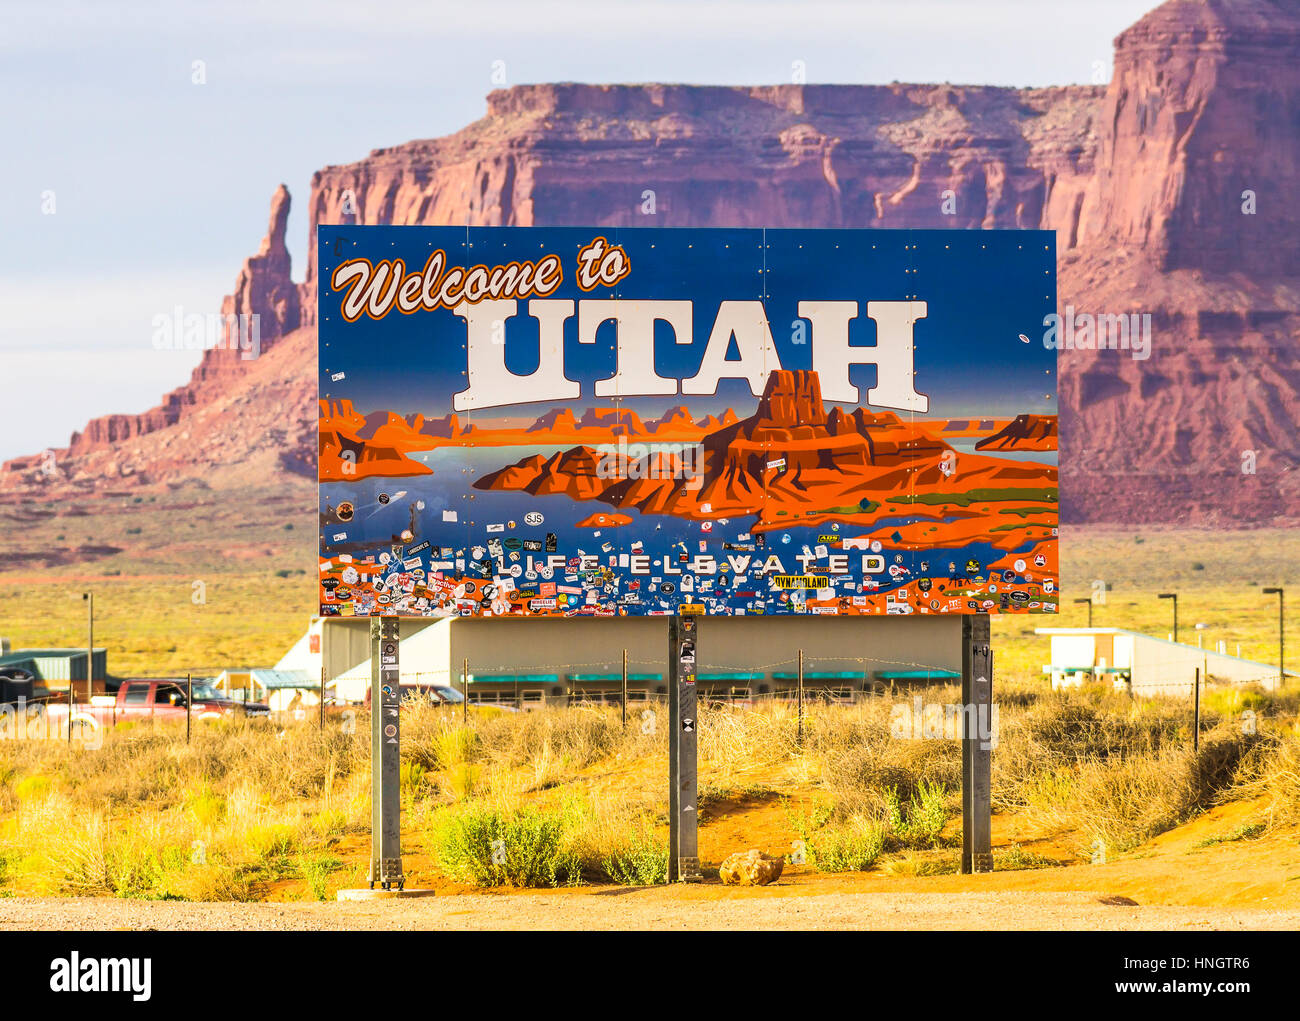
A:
89	599
1174	597
1281	635
1089	602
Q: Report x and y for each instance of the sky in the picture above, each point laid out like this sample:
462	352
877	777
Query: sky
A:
144	140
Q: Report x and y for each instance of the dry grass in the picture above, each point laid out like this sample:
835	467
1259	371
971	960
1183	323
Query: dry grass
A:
243	810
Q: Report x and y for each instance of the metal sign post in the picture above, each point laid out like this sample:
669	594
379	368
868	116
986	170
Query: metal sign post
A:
976	745
385	754
683	732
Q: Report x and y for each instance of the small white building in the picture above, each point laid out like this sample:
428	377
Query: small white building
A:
286	689
1143	664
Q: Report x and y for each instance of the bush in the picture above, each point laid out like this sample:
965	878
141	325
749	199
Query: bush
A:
1016	858
490	847
642	860
316	871
853	847
924	820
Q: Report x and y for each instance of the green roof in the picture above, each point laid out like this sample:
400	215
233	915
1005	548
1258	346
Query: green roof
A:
823	675
512	678
615	677
917	675
285	678
734	676
23	655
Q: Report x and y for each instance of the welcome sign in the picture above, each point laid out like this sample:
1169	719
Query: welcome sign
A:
610	421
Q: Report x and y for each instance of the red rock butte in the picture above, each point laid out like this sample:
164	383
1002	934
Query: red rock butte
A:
1171	191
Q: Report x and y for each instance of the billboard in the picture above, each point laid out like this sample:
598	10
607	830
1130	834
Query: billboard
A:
557	421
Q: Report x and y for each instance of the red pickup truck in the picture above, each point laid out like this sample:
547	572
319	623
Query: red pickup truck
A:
145	699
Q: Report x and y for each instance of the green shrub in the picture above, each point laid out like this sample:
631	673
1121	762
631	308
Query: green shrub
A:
316	871
924	819
641	861
1015	858
488	847
854	847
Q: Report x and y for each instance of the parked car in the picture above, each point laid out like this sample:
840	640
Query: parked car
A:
142	698
442	695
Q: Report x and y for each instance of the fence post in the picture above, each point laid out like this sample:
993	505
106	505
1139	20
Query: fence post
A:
189	704
625	689
464	690
1196	731
800	738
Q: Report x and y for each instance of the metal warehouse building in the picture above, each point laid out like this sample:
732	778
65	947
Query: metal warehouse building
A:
55	667
553	661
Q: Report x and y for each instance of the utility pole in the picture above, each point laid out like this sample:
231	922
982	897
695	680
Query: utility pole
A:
1174	597
89	599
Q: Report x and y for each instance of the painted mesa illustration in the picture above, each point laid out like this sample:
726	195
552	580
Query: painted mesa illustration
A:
762	495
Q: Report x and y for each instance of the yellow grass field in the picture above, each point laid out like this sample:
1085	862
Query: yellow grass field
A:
195	587
1093	795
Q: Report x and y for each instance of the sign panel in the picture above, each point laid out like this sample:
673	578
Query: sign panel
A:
609	421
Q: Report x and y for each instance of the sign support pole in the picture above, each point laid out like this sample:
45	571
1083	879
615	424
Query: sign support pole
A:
683	750
976	745
385	755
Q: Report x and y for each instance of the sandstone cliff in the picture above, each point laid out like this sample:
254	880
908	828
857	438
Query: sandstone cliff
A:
1169	189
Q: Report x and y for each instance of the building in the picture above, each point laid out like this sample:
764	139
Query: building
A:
236	684
285	689
554	662
1143	664
54	669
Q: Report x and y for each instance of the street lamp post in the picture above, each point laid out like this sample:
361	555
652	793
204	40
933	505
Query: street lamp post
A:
1089	602
89	599
1281	634
1174	597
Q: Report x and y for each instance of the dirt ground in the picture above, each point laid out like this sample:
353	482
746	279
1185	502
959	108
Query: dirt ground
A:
1174	882
623	908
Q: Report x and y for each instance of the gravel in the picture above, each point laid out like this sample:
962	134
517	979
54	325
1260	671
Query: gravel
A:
645	908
